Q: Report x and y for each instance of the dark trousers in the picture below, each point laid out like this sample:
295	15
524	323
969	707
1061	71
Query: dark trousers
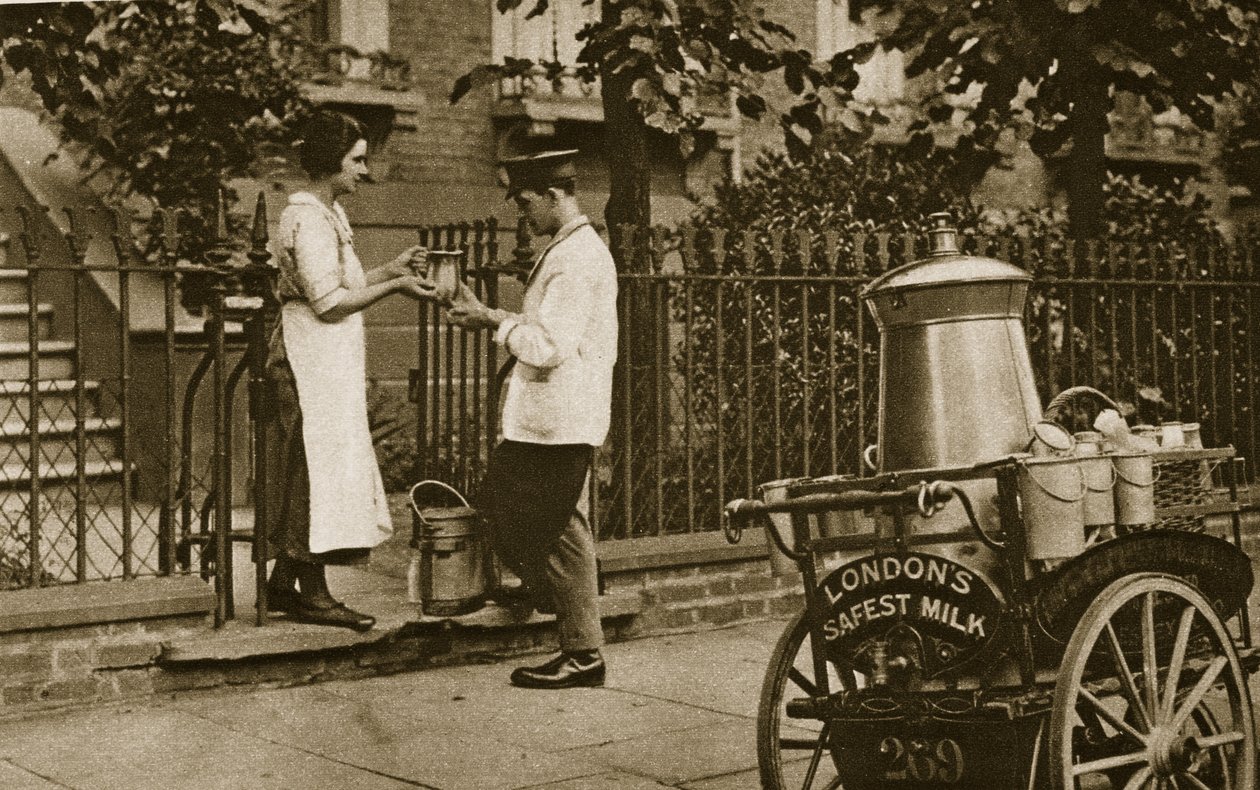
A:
535	500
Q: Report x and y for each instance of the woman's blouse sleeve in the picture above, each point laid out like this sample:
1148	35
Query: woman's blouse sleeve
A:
314	252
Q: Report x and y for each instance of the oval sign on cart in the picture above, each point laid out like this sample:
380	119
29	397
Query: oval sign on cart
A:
945	606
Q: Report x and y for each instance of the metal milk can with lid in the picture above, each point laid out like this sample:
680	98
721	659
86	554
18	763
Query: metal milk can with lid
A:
956	380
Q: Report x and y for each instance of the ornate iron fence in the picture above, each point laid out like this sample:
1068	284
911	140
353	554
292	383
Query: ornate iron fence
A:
750	358
117	407
743	359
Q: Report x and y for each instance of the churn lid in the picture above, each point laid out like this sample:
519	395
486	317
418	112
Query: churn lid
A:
955	285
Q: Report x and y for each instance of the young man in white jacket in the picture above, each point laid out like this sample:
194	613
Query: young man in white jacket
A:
555	413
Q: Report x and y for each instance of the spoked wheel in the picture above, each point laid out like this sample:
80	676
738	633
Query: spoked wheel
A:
1151	695
792	753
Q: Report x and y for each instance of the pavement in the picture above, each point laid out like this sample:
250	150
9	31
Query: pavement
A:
677	712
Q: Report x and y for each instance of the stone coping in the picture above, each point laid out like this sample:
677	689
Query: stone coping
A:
94	603
241	639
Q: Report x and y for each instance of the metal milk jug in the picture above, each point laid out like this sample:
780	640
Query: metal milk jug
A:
956	382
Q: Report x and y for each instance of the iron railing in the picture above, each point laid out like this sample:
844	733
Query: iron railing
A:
747	358
744	358
103	474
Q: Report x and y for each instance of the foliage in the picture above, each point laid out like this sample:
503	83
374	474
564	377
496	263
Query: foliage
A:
15	561
682	52
785	348
167	99
1183	53
1134	212
392	421
1241	148
768	373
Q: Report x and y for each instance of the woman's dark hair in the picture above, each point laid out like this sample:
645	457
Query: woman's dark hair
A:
327	137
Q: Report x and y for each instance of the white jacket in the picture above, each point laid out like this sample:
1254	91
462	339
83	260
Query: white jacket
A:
565	343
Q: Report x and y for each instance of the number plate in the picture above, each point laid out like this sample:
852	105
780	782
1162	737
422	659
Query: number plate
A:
933	754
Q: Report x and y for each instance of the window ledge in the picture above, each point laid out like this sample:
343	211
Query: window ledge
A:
364	93
543	113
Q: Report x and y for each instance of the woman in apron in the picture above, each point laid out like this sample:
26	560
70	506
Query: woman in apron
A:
327	501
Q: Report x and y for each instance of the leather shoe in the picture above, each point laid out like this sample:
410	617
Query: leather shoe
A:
564	671
282	599
337	614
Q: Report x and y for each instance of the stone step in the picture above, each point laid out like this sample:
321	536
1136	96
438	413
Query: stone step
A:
56	359
57	440
56	398
57	483
13	286
15	321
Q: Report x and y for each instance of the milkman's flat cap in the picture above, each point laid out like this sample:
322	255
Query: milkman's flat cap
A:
537	172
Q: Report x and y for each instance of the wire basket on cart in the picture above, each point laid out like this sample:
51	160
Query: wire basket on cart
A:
1190	485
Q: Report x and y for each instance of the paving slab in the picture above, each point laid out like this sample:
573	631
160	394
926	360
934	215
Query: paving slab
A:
479	700
679	756
793	776
699	668
671	716
13	777
613	781
387	734
162	748
367	589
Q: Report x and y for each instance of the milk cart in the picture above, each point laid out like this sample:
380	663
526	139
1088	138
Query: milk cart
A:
975	636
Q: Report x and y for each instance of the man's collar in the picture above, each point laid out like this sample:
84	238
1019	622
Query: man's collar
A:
570	226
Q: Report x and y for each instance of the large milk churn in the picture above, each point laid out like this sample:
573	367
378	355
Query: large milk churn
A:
956	382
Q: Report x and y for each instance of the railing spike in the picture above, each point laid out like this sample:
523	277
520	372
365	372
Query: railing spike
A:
121	235
220	218
718	237
258	236
169	222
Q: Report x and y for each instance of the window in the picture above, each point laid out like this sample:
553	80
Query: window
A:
884	75
361	24
551	36
351	41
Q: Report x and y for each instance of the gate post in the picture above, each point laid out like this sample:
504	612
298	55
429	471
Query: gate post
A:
259	284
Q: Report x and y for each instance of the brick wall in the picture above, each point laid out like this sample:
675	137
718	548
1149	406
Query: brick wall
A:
83	664
698	596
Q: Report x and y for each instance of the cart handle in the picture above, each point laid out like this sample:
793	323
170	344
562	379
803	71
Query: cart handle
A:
926	498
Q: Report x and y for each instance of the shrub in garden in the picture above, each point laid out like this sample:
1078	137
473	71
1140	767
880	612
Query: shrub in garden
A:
779	378
786	357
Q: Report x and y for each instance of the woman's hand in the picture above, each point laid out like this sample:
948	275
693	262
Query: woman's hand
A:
418	288
409	263
466	310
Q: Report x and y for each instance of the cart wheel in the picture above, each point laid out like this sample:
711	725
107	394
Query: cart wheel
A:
1151	695
790	751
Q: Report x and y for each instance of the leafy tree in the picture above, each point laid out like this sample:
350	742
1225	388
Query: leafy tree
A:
167	99
658	61
1074	54
1242	138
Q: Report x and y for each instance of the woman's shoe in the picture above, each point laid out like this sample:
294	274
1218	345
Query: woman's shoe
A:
357	620
332	613
282	599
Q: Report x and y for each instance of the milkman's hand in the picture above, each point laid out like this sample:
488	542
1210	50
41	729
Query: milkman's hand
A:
466	310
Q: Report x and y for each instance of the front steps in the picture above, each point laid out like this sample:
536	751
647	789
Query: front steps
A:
60	515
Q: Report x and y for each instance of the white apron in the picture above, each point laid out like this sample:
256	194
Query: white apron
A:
348	506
